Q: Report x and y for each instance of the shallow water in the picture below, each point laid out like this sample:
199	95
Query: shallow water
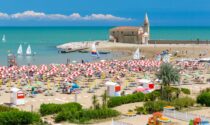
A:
43	41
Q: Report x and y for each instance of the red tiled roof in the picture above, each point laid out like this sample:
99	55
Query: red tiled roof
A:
123	28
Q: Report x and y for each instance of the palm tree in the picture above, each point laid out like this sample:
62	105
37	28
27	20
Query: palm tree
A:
104	99
95	101
168	75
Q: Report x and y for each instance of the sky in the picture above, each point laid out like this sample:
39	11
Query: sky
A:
104	12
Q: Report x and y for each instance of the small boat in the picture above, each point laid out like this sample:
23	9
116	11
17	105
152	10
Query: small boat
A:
104	52
94	52
136	55
4	38
20	50
68	50
28	50
72	47
83	51
65	50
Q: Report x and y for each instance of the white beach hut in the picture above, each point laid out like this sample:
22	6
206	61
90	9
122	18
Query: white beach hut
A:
17	97
147	83
113	89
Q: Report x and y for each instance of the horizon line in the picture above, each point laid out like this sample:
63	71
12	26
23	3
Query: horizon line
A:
102	26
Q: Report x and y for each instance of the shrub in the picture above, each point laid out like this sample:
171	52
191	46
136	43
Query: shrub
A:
155	106
86	115
62	116
185	91
205	90
47	109
71	106
18	118
204	98
116	101
141	110
99	114
183	102
6	108
152	96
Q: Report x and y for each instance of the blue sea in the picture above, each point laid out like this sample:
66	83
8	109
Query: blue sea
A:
43	41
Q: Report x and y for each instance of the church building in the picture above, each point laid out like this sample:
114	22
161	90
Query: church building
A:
130	34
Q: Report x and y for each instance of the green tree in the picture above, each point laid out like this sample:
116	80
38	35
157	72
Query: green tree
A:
104	99
168	75
95	102
177	92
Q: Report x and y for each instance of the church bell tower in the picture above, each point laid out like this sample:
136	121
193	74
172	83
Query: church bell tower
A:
146	24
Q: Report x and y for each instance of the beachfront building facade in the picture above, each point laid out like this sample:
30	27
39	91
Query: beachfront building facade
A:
130	34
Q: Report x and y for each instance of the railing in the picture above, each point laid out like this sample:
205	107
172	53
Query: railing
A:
183	116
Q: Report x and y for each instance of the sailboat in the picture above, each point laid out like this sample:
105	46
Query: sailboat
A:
94	52
4	38
28	50
20	50
136	55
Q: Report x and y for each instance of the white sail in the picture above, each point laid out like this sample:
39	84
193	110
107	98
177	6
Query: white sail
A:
20	50
28	50
94	52
4	38
136	55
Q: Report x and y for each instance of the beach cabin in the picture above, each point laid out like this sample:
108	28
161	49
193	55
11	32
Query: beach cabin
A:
147	83
17	97
113	89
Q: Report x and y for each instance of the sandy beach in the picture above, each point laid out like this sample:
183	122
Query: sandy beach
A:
184	50
84	98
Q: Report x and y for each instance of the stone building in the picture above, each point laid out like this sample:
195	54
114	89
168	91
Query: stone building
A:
130	34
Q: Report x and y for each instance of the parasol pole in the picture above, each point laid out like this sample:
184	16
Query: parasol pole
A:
18	84
48	85
1	81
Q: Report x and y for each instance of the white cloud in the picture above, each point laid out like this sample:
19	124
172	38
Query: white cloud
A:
32	15
28	14
106	17
4	16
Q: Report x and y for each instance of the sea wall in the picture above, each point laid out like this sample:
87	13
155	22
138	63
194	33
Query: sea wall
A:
178	42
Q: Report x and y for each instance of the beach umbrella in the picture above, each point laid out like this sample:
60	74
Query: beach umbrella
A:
140	89
18	83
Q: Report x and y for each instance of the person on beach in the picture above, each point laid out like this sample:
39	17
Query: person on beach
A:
68	61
